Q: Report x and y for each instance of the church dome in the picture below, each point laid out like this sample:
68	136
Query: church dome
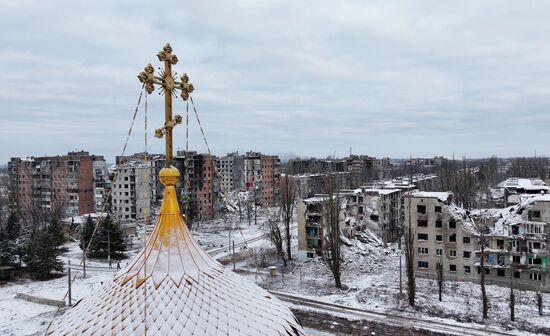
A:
172	287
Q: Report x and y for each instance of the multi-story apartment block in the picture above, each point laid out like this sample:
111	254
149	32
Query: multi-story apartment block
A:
199	185
378	209
132	191
312	225
361	168
270	180
231	172
63	184
443	235
252	171
102	185
517	247
309	185
310	228
157	162
315	166
261	175
515	240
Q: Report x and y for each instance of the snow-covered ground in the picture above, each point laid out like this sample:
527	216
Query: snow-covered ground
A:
21	317
370	277
371	281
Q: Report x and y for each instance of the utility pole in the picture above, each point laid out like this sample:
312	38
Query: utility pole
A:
69	279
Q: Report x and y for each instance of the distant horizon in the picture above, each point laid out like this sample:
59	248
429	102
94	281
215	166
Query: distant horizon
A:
286	156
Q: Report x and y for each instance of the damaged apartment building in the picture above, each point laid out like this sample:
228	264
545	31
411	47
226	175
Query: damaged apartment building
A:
198	186
254	172
312	226
131	194
516	243
515	240
67	184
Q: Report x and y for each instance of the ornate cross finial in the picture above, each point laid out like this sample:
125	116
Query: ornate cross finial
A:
169	86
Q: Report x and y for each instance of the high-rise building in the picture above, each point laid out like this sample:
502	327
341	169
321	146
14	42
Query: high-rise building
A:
199	186
131	194
62	184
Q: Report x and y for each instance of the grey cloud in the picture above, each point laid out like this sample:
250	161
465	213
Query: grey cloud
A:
386	78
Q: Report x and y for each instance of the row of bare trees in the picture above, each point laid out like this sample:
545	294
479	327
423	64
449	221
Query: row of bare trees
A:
279	224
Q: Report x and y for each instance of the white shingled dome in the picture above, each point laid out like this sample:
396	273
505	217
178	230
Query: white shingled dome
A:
172	287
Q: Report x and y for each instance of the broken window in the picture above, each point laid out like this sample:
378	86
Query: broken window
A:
452	238
501	272
438	224
421	209
535	276
437	209
312	231
467	269
422	236
466	240
535	261
516	274
438	252
466	254
422	264
439	238
533	214
452	268
516	259
422	223
452	224
422	250
500	243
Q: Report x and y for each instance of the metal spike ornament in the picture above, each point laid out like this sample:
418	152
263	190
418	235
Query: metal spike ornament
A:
173	287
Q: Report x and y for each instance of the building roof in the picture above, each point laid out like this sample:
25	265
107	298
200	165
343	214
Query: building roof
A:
172	287
443	196
378	191
527	184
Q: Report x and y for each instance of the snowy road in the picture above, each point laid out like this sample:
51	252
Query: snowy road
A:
432	324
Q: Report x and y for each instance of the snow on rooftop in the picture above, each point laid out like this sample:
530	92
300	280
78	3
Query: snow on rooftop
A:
524	183
374	190
443	196
173	287
506	217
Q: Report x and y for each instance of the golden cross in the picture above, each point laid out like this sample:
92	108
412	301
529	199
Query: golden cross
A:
169	86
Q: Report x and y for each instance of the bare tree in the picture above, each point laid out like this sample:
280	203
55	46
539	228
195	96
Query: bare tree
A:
439	267
274	233
287	199
409	257
512	295
332	208
482	243
248	206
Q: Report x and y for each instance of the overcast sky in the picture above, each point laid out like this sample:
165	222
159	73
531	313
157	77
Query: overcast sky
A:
314	78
